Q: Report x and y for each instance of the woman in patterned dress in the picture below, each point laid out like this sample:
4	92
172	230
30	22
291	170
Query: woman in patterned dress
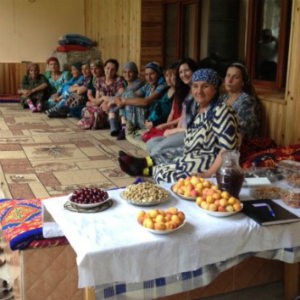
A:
214	130
56	79
33	87
240	94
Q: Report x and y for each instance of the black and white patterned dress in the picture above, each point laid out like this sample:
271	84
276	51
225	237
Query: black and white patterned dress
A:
212	130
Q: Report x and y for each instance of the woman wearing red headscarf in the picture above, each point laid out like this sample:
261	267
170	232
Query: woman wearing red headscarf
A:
56	79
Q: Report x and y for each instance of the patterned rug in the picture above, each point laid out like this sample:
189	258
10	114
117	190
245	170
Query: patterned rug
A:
9	98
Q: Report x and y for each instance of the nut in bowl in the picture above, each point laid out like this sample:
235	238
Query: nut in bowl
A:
160	221
145	194
89	197
218	203
190	188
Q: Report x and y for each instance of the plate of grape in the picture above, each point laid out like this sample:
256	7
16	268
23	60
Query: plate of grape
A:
89	197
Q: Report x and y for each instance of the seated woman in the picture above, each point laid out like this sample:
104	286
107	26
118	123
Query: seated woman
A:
174	137
132	83
214	130
145	101
97	71
56	79
77	98
32	90
107	87
64	90
174	115
240	94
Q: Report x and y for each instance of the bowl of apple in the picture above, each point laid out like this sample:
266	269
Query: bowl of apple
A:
89	197
190	188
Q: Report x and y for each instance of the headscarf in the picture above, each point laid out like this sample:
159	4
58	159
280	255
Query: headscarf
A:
130	65
32	65
77	65
208	75
97	63
52	58
156	67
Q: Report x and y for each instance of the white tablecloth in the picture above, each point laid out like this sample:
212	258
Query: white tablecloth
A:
111	246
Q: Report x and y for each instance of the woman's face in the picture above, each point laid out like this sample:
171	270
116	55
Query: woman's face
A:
53	66
75	73
96	71
110	70
128	75
170	78
33	72
86	70
185	73
203	92
150	75
234	80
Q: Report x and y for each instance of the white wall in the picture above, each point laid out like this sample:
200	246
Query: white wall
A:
29	29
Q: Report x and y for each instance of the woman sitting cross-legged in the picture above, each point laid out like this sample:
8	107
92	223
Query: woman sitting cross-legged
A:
56	79
240	94
184	104
64	91
214	130
148	99
32	90
77	98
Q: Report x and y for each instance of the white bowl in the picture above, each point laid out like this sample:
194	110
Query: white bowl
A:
89	205
220	214
164	231
190	198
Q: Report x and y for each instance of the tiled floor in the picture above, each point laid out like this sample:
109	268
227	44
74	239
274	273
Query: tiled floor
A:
42	157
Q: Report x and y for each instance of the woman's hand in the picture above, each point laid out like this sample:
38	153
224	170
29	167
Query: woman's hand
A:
148	124
161	126
170	132
121	102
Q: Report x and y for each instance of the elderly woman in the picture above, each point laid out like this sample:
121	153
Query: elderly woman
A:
132	83
56	79
32	89
240	94
214	130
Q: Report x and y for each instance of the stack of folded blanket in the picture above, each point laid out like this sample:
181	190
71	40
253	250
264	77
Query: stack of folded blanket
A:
74	41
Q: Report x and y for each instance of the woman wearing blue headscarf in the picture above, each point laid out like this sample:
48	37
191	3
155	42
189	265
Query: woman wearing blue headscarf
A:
214	130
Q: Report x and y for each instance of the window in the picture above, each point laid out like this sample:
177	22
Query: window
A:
254	32
267	42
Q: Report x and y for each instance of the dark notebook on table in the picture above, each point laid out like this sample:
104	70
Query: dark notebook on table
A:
268	212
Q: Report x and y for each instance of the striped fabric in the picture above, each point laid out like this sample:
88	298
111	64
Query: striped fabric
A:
211	131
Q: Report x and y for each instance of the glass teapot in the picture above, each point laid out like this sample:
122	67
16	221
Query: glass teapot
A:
230	175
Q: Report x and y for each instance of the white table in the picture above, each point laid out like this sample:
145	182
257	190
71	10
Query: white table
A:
113	240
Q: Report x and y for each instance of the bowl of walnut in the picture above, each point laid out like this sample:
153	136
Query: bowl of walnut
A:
145	194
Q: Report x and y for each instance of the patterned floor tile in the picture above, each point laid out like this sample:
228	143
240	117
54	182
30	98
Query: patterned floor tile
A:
79	177
21	178
99	164
41	157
